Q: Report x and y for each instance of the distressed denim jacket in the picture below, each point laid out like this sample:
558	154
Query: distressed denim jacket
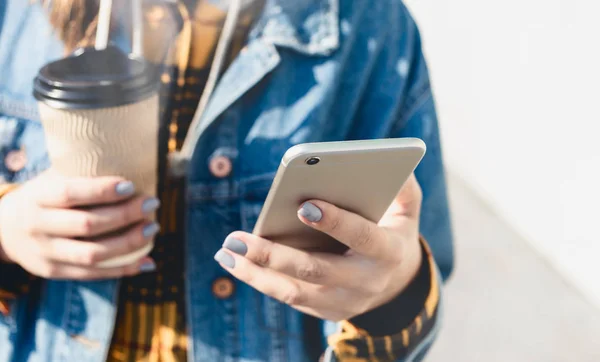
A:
312	70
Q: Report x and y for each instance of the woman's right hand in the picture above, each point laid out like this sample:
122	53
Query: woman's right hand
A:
47	225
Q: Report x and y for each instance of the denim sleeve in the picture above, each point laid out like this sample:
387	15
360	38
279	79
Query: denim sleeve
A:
421	122
417	117
399	99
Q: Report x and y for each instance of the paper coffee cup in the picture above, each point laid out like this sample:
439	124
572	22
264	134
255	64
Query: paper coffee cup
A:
100	113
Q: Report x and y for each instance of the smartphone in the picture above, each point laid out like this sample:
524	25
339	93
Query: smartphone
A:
359	176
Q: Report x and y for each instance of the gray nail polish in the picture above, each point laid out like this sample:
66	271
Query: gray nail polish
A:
125	188
236	245
150	205
310	212
150	230
148	267
225	259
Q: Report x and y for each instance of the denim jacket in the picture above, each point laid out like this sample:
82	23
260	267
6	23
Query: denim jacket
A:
312	70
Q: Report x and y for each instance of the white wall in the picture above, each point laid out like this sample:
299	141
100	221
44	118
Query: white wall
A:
518	88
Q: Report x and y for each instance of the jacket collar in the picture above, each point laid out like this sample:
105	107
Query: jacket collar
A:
307	26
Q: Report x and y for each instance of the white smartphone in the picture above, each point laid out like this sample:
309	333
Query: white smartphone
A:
359	176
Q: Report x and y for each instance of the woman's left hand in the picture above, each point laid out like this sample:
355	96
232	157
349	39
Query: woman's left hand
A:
382	260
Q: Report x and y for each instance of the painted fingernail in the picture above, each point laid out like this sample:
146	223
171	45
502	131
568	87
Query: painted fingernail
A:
236	245
150	205
150	230
125	188
225	259
310	212
148	266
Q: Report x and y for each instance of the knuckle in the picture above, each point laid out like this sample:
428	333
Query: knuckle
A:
121	214
364	237
293	295
88	258
335	223
65	195
131	213
31	224
263	257
133	241
87	225
310	270
105	192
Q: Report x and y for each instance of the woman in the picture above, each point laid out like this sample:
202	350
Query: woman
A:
309	70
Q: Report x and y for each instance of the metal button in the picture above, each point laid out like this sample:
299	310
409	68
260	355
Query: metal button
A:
165	78
223	287
15	160
220	166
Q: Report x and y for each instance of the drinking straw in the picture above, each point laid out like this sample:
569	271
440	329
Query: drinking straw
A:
138	28
103	31
219	59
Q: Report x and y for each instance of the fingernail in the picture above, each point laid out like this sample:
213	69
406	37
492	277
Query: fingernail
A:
225	259
125	188
150	230
148	266
310	212
150	205
236	245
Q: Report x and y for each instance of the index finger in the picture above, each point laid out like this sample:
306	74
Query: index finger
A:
60	192
356	232
93	253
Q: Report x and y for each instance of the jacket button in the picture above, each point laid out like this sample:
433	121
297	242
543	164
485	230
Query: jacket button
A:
223	287
15	160
220	166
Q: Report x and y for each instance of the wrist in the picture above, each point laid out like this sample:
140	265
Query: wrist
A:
400	310
406	273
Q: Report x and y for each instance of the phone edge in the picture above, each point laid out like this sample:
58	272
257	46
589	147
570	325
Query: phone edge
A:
307	149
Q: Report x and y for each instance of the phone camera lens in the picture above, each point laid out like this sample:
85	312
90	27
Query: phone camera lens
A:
311	161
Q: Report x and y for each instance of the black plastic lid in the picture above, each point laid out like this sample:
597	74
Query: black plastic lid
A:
93	79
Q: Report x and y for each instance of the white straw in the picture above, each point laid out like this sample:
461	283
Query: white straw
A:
138	28
103	31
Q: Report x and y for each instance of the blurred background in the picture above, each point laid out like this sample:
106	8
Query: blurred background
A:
517	90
